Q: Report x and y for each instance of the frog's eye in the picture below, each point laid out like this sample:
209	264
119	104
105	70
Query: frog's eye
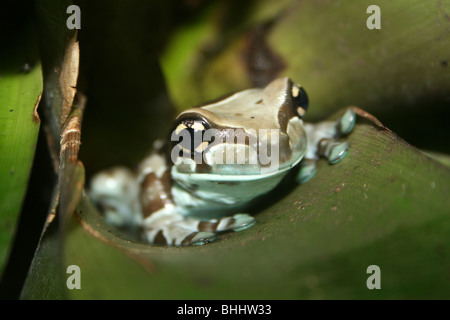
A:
191	132
300	98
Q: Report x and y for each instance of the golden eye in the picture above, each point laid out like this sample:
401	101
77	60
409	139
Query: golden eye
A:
300	98
191	132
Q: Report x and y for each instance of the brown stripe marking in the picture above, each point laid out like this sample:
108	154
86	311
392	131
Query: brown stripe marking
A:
208	226
155	193
160	238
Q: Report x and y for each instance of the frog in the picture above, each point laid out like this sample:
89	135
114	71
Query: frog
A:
220	158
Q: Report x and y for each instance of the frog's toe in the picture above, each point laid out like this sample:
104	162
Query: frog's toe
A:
199	238
307	171
347	122
338	152
242	221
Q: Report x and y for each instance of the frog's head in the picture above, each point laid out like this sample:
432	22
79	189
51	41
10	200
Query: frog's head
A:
252	132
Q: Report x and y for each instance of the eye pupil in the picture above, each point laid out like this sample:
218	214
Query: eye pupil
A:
191	133
190	143
300	98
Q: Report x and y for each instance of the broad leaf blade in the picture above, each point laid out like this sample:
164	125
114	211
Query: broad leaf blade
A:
20	91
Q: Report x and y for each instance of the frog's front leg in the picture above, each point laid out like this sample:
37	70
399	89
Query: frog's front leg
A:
162	221
324	141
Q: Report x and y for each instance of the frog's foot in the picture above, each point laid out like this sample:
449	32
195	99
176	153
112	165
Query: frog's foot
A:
334	151
324	140
173	229
346	123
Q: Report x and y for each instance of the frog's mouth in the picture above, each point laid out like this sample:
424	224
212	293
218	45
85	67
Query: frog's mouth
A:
240	161
188	169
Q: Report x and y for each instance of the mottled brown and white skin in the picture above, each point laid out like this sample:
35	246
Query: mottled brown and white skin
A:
220	156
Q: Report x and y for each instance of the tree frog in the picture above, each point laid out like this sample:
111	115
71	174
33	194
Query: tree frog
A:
219	158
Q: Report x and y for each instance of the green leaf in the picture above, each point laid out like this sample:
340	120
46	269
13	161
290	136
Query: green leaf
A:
20	92
385	204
